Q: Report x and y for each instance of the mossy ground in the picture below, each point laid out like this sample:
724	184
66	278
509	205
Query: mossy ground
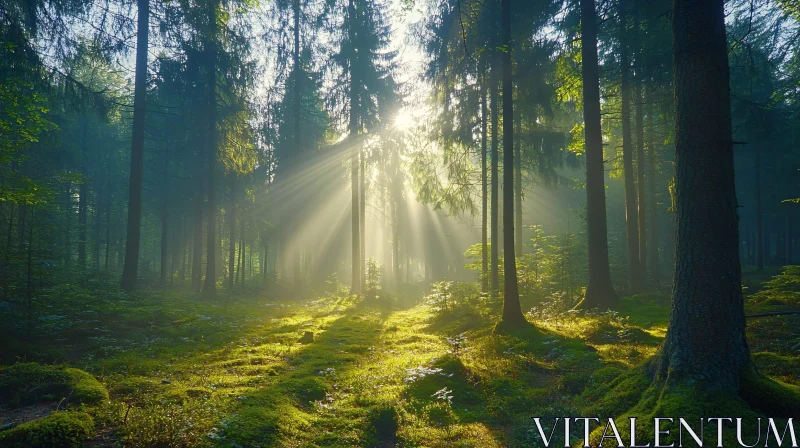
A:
185	371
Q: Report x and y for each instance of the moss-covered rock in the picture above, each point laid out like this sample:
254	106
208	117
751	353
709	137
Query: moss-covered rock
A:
27	383
57	430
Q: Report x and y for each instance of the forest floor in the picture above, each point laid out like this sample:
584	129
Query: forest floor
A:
238	372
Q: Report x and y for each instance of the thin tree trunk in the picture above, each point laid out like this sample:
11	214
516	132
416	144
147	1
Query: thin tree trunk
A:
640	180
83	192
788	240
197	250
495	206
232	243
518	243
30	276
653	262
512	313
759	218
484	189
7	268
108	233
164	221
130	270
631	215
363	212
355	288
242	253
98	205
210	285
599	291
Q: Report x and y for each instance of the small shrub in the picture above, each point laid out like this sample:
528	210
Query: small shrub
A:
27	383
57	430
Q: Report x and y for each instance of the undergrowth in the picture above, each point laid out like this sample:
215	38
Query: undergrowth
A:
182	371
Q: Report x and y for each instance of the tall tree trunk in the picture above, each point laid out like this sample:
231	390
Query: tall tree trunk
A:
484	187
130	270
83	191
512	313
495	206
298	211
652	248
599	291
210	285
705	343
97	229
176	241
242	252
232	243
108	231
759	217
355	288
197	249
640	180
518	243
788	242
30	276
631	215
7	261
67	223
164	221
363	217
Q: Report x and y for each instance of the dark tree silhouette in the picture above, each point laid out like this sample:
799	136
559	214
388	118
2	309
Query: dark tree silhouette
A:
512	313
599	291
130	270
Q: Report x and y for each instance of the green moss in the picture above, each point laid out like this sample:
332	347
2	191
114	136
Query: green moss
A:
772	397
646	310
621	394
305	390
384	421
773	301
57	430
759	396
27	383
776	365
85	388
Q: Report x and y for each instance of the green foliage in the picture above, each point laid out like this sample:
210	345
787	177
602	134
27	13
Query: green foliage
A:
782	289
57	430
23	120
448	298
26	383
374	274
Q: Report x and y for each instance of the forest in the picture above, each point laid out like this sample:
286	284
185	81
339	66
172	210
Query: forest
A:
399	223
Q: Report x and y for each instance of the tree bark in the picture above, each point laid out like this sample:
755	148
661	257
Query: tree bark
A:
164	221
759	218
232	241
653	262
83	191
484	188
495	207
518	243
512	313
640	180
210	285
355	287
197	250
631	214
705	342
363	216
599	290
130	270
7	261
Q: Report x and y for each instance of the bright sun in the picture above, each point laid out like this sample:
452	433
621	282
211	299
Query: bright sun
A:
403	121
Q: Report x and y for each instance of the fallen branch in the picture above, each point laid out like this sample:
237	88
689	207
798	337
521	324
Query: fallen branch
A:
776	313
